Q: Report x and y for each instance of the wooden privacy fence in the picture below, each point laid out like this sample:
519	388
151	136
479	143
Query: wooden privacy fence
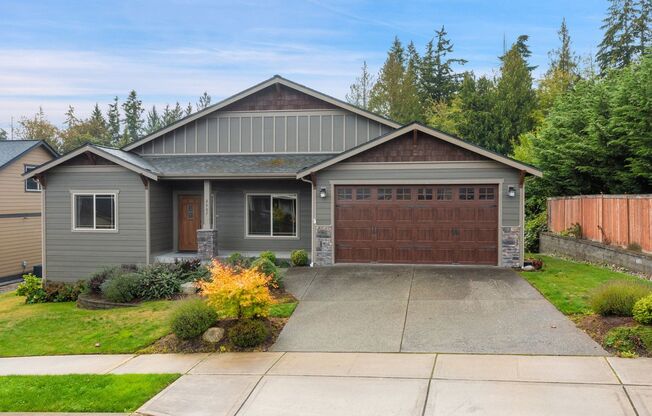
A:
611	219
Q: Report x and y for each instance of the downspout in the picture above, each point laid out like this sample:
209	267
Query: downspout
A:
313	214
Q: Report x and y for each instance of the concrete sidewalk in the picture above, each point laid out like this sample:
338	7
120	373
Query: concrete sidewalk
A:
374	383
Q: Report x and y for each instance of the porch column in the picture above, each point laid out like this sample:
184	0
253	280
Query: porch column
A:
207	235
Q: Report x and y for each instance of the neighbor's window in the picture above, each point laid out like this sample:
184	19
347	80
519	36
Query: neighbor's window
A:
94	211
272	215
31	184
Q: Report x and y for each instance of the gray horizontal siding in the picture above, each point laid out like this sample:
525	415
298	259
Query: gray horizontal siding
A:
268	132
230	215
160	217
72	255
510	206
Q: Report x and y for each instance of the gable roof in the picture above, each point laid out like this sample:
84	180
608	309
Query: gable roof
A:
427	130
119	157
11	150
276	79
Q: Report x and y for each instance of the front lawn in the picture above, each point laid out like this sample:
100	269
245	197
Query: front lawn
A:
62	328
80	393
568	284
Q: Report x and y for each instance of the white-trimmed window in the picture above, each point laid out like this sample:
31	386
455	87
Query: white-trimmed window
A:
31	184
94	211
272	215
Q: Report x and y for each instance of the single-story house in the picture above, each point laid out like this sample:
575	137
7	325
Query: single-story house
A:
281	167
20	206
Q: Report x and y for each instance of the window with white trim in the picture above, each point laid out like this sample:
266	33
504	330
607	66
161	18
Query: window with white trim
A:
94	212
31	184
272	215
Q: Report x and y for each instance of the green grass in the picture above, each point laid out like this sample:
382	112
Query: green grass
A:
568	285
282	310
62	328
80	393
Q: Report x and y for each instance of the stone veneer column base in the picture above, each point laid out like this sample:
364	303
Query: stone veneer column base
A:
511	247
207	244
323	245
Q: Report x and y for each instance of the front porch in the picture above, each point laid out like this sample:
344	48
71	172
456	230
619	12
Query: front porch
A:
210	218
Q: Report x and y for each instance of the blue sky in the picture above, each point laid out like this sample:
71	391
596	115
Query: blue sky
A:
60	53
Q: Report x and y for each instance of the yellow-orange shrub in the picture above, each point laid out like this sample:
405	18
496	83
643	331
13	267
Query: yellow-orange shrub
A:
239	293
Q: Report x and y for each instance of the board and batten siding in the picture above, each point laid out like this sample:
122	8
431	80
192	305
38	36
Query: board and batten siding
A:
20	229
313	131
510	205
72	255
230	213
160	217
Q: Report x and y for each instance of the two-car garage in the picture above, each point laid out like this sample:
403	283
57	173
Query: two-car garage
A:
424	224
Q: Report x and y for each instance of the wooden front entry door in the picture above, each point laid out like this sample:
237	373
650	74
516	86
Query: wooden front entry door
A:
189	221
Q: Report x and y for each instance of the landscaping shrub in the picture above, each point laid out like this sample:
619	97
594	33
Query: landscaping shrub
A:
159	281
628	340
299	258
192	318
31	288
248	333
101	276
618	298
634	247
241	294
642	310
269	269
237	260
575	231
122	288
533	228
63	292
190	270
269	255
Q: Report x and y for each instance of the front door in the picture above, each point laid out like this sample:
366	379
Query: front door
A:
189	221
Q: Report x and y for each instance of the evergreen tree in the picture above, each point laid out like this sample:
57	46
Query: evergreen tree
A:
394	95
172	115
113	123
627	33
154	121
563	57
133	122
437	78
411	106
3	134
516	99
188	110
204	101
360	90
80	131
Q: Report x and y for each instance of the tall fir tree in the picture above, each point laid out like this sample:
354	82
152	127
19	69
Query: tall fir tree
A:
133	123
204	101
3	134
516	99
437	78
411	104
113	121
563	58
154	121
172	114
627	33
188	110
360	90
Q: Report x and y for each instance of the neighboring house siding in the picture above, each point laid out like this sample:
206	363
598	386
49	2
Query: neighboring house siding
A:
20	236
230	215
160	219
510	206
76	255
309	131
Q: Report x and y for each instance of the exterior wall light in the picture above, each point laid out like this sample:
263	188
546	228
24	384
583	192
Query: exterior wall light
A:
511	191
322	192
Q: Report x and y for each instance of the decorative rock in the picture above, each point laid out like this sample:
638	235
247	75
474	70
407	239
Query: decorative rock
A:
213	335
188	288
529	268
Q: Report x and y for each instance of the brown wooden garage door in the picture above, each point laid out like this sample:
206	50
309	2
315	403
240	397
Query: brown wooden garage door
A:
442	224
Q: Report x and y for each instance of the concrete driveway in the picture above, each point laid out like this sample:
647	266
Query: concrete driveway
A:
425	309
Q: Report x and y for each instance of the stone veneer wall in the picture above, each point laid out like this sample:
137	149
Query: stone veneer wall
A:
206	244
511	247
595	252
323	245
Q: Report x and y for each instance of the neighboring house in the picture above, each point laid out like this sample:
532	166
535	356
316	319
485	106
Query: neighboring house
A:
20	206
281	167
